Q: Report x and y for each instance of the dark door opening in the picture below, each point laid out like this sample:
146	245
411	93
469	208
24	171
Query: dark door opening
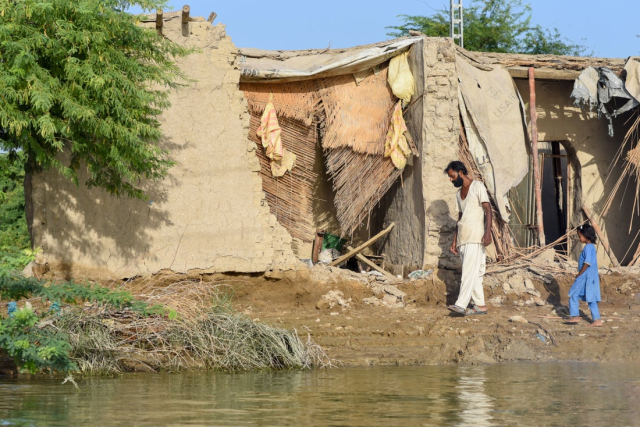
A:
554	176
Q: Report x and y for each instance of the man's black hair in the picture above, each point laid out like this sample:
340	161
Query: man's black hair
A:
589	232
456	166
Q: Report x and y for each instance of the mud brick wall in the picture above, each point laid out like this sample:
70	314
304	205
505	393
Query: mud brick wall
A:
440	141
208	215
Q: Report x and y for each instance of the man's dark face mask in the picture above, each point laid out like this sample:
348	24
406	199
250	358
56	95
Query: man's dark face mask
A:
458	181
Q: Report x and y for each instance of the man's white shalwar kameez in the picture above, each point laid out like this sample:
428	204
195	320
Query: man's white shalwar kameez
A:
469	243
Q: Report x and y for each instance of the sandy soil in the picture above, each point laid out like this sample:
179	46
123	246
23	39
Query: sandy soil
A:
421	331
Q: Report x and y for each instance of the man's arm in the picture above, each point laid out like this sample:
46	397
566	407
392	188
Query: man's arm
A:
488	218
454	245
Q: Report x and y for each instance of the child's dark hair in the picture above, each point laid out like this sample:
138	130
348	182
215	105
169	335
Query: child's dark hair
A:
456	166
588	232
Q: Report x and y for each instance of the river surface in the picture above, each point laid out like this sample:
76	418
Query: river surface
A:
520	394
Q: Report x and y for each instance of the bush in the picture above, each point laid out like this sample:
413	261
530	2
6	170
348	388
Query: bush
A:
33	340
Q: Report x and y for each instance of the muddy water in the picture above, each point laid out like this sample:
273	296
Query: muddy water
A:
544	394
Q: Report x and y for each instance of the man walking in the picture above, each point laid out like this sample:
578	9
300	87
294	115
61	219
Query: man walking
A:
472	235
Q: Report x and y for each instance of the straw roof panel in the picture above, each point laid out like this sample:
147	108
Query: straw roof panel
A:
357	115
298	100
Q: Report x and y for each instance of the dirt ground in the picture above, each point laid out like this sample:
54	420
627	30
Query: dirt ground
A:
364	320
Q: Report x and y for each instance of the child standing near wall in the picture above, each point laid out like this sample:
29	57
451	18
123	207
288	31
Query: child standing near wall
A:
586	287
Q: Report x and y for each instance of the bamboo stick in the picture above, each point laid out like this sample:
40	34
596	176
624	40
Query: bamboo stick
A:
372	265
363	246
534	152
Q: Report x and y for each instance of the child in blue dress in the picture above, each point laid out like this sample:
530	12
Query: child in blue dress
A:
586	287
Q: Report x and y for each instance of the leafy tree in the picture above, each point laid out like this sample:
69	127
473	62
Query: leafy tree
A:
494	26
81	87
14	236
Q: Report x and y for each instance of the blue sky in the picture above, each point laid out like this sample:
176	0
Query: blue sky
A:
608	28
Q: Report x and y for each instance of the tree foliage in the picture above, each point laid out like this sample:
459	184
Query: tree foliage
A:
494	26
81	88
14	236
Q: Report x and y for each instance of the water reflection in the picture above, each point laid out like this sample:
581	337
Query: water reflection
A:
476	406
556	394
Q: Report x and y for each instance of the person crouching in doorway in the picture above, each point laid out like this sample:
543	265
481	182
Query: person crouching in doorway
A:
472	235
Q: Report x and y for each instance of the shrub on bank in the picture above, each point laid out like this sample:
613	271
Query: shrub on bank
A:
93	329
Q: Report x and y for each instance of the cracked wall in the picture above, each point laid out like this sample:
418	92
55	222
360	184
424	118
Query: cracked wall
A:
209	214
440	146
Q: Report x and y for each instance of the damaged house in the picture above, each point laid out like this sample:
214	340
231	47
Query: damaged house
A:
272	147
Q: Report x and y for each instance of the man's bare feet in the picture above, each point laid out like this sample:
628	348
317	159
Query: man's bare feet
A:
573	320
596	323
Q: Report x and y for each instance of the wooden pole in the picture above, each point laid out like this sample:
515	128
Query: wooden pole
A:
602	237
372	265
185	14
317	245
159	20
534	153
363	246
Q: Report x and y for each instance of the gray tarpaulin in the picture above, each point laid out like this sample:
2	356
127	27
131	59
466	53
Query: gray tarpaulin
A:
261	65
601	88
492	102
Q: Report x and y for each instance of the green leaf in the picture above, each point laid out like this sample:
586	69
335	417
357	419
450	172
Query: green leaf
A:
493	26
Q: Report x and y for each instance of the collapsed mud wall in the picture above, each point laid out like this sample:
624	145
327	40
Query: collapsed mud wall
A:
560	120
404	203
209	214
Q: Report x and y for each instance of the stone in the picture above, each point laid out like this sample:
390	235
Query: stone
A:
518	319
533	292
539	302
496	301
392	301
546	257
528	284
332	299
374	301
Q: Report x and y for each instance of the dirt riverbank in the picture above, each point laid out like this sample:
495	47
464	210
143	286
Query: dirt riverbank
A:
365	321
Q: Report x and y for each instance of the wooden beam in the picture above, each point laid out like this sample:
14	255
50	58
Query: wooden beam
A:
159	20
543	73
185	14
212	17
363	246
372	265
317	245
534	153
602	237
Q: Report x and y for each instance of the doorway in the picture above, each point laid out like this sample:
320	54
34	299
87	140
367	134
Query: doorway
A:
555	175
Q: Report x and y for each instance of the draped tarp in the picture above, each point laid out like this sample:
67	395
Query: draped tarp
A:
492	102
262	65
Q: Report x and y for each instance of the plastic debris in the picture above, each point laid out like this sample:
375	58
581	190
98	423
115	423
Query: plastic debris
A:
420	274
12	307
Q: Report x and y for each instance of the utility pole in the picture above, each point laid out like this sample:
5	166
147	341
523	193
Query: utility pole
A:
456	29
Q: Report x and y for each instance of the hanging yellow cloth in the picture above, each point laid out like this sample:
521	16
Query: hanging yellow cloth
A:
396	145
400	78
269	132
